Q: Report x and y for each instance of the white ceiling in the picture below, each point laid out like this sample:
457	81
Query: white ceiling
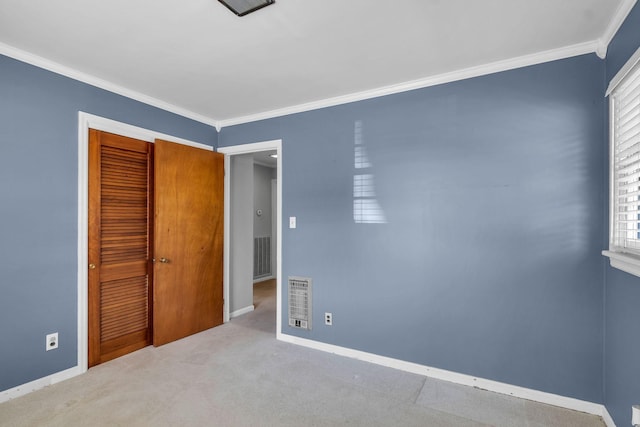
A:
264	158
196	58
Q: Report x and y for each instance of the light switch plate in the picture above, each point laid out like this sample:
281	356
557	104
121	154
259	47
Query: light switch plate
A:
292	222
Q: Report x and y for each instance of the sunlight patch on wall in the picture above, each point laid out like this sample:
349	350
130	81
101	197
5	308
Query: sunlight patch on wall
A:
366	209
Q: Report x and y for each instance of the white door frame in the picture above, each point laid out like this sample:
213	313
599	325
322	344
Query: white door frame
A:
247	149
85	122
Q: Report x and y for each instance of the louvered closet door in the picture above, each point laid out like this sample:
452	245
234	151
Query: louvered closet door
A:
120	269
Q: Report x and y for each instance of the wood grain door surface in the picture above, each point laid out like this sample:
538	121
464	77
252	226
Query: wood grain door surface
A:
120	272
187	292
161	200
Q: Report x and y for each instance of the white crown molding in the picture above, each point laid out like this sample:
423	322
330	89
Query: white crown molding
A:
477	71
63	70
598	46
622	72
614	25
454	377
504	65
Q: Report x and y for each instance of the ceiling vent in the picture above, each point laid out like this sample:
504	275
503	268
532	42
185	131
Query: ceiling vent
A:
300	302
244	7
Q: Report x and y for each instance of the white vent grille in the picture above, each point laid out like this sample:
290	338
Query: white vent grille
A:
261	257
300	302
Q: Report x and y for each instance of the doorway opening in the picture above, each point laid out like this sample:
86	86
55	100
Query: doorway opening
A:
243	217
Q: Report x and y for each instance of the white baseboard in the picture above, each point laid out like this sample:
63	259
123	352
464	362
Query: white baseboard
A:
606	417
436	373
29	387
263	279
245	310
454	377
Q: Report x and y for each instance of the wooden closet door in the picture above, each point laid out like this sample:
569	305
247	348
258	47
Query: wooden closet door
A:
189	189
120	236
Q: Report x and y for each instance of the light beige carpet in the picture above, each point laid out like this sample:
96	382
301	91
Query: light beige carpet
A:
239	375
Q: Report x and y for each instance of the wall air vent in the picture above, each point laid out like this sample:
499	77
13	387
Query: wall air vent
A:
300	302
261	257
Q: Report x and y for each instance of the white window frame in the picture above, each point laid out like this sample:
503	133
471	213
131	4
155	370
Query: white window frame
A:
623	253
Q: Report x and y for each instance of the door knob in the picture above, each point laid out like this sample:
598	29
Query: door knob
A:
92	266
164	260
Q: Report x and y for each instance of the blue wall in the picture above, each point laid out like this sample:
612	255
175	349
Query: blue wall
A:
38	208
622	290
493	190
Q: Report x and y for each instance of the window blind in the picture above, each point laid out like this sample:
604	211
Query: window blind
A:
625	107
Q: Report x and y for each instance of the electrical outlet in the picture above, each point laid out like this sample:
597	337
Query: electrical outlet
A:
328	319
52	341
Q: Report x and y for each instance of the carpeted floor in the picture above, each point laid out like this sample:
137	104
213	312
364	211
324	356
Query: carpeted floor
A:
239	375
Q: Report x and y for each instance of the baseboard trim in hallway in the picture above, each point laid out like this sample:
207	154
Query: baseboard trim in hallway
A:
457	378
240	312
